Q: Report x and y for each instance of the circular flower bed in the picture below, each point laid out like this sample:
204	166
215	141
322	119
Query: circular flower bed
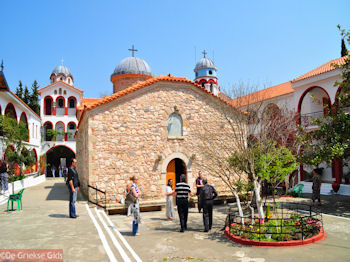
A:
293	228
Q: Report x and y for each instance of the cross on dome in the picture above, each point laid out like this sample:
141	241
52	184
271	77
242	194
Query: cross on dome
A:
204	53
133	50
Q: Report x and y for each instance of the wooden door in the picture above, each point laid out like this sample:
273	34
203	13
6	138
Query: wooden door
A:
170	173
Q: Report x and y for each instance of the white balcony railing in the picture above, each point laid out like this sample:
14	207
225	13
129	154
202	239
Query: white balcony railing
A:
306	119
60	111
72	111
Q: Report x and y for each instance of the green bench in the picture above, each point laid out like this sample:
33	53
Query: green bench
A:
16	197
298	189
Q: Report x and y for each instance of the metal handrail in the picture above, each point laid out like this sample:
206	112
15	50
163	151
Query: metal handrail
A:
97	203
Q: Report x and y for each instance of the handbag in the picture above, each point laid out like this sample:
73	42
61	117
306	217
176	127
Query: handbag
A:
130	198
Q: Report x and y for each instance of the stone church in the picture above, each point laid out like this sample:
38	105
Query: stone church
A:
149	128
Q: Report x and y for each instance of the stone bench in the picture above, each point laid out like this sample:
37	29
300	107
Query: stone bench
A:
151	205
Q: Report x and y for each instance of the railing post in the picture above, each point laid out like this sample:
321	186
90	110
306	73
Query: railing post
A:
302	231
259	228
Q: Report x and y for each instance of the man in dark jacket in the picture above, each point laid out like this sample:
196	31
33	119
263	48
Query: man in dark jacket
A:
208	193
73	186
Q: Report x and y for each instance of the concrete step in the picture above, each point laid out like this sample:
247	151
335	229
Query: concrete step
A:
326	188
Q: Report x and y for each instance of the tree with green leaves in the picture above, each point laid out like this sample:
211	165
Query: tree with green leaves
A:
344	50
34	103
26	95
331	141
19	90
14	135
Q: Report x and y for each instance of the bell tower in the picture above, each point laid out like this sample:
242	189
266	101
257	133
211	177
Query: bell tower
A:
206	74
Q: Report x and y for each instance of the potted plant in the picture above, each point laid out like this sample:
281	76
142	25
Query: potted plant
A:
335	186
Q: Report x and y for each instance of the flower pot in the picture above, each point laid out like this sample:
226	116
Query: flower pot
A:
335	186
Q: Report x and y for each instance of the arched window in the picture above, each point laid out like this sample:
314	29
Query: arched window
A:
23	119
71	131
71	102
211	87
55	92
60	102
202	84
60	130
175	125
47	127
48	105
210	72
10	111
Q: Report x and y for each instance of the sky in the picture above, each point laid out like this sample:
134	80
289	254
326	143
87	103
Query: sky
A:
260	42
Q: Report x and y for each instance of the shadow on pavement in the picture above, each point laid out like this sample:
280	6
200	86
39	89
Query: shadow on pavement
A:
58	216
58	191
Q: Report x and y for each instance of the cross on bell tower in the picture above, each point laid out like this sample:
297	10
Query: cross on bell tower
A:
133	50
204	53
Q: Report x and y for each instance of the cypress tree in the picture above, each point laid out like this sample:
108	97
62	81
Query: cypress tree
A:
34	98
344	50
26	95
19	90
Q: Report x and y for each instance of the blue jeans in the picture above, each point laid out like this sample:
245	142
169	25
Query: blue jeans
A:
72	200
135	228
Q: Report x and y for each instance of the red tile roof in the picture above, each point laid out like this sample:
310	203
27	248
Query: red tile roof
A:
139	85
224	97
274	91
21	101
88	101
327	67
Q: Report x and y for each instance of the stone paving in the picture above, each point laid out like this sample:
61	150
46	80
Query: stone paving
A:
44	223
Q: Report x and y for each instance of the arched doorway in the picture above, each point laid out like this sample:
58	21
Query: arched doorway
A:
175	168
58	156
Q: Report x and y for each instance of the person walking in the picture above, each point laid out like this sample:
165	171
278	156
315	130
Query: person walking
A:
208	194
316	185
182	191
53	171
73	186
170	213
3	176
199	185
135	207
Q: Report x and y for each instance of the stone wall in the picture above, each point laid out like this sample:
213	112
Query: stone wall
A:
128	136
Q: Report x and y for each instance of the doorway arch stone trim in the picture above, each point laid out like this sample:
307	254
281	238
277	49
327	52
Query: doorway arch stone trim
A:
166	162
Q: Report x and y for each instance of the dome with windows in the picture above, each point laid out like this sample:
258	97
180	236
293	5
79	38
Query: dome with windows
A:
133	65
204	63
61	69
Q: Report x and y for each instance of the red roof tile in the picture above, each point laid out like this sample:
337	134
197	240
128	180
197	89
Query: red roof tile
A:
274	91
327	67
140	85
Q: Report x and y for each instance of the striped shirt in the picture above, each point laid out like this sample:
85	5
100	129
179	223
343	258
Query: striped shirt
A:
182	189
136	188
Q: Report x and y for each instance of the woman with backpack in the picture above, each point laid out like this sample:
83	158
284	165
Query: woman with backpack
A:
135	207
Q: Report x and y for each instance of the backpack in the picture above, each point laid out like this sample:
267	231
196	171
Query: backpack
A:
130	198
207	192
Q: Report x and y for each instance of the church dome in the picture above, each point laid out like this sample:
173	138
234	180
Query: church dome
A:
133	65
61	69
204	63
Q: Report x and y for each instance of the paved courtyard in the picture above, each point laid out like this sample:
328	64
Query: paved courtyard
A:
44	223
